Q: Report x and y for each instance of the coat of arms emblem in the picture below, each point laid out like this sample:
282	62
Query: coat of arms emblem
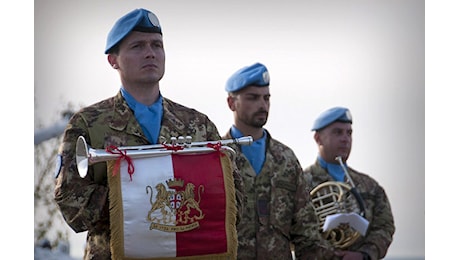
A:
175	209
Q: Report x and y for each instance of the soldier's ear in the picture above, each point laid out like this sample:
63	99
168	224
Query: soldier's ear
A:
231	102
317	137
112	59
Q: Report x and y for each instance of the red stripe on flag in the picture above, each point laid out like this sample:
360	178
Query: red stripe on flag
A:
210	237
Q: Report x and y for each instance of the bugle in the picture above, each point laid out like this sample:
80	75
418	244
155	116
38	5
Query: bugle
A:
86	156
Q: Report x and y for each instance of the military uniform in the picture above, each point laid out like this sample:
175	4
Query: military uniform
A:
84	201
377	211
276	207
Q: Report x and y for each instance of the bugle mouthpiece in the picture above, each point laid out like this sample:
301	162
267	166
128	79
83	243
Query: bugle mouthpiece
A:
245	140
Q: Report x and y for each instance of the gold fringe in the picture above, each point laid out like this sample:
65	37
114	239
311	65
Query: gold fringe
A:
116	212
231	210
116	217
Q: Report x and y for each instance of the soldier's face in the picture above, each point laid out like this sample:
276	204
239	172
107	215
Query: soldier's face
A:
141	58
335	140
251	105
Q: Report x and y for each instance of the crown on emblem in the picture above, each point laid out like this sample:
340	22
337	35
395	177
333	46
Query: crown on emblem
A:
175	183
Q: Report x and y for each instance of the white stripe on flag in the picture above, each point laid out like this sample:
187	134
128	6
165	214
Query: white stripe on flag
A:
139	240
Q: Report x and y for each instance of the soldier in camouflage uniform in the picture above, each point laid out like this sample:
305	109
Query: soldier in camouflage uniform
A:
137	115
333	134
275	214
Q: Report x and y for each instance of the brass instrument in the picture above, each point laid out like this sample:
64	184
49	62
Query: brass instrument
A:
86	156
334	197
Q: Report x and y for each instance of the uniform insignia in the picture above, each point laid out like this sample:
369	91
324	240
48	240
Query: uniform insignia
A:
348	115
266	77
154	20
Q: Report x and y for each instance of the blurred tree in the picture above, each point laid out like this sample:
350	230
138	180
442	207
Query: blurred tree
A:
48	221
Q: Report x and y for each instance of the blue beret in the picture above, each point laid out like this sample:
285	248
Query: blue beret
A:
330	116
254	75
136	20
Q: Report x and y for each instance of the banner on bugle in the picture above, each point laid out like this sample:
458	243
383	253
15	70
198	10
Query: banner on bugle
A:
175	206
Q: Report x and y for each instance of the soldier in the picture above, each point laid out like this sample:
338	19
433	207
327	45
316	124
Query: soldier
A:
275	214
333	135
137	115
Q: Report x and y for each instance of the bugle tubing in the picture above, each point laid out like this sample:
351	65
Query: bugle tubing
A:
86	156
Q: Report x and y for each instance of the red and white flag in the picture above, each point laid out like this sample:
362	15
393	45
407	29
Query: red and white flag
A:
173	206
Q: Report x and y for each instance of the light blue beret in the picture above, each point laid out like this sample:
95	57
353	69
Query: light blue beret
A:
332	115
254	75
136	20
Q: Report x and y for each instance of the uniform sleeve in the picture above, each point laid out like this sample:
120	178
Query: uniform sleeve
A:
82	202
304	232
381	227
211	129
239	192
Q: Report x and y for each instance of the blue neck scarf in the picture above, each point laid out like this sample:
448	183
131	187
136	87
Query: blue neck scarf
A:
335	170
255	152
149	117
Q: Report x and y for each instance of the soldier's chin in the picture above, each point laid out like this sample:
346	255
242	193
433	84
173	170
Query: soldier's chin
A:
259	123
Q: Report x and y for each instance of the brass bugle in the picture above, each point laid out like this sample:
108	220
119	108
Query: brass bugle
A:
86	156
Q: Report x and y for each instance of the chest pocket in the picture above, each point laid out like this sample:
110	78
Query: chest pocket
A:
283	198
283	184
283	202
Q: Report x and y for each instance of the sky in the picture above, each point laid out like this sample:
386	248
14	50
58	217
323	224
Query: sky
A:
368	56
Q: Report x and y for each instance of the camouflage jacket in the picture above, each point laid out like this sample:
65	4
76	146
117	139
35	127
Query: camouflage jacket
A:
84	201
378	212
276	214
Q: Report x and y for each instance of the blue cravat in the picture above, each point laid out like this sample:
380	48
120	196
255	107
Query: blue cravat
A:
335	170
255	152
149	117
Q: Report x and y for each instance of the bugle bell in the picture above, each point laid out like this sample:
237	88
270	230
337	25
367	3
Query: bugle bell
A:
86	156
